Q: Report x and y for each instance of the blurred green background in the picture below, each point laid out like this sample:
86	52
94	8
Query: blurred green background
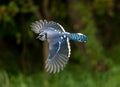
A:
95	63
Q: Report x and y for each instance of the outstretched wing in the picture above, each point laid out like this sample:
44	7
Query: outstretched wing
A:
42	25
58	57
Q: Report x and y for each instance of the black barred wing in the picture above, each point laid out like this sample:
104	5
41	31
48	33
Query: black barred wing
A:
58	57
42	25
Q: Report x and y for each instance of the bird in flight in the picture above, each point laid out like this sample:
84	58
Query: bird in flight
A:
58	39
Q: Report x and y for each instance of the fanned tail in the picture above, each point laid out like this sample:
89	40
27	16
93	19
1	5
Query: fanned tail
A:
77	36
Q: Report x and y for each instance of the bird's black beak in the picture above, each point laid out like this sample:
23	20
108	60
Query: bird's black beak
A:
39	36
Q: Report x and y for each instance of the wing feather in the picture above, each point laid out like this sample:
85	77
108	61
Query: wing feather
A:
42	25
58	56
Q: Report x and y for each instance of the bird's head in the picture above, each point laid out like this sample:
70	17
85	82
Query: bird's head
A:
42	36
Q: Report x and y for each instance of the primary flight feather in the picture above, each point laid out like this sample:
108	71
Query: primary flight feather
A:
58	39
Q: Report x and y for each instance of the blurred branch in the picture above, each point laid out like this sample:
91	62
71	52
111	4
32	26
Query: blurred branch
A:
45	9
39	16
37	12
47	16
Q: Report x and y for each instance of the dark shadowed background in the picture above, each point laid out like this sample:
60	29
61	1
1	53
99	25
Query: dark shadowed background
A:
95	63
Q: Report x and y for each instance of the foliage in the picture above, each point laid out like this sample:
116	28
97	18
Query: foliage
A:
65	78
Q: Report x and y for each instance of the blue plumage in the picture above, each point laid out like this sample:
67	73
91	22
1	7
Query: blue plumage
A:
77	36
59	46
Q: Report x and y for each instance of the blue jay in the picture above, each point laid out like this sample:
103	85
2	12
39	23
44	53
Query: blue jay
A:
59	46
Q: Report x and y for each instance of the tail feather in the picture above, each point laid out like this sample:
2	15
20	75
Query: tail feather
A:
77	36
